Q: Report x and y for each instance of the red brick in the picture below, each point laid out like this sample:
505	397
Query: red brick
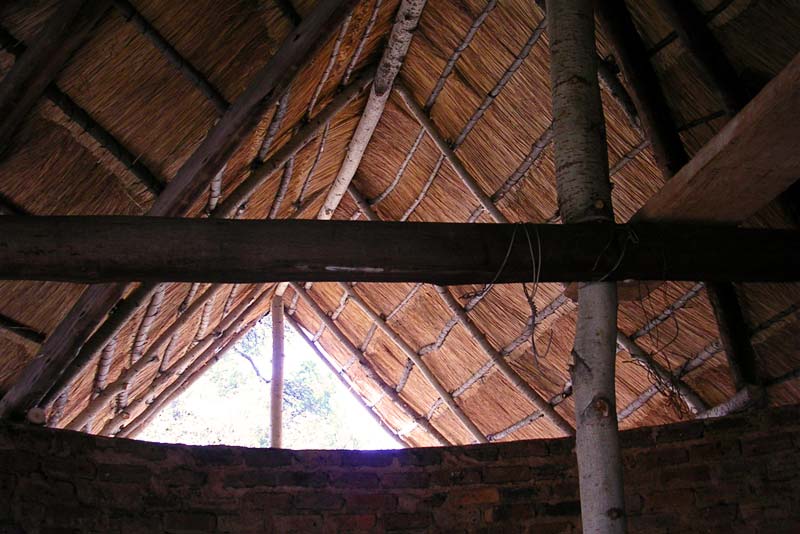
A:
189	521
455	477
124	474
367	458
267	457
371	502
287	524
654	459
318	501
565	508
352	522
523	449
502	474
667	500
409	479
462	497
452	519
766	444
680	432
248	521
686	476
18	461
355	480
396	521
267	500
704	452
420	457
514	513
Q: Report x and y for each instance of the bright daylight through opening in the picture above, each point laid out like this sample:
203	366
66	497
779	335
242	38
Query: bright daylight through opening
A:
230	404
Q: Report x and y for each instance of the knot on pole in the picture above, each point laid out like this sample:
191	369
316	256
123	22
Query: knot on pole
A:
601	406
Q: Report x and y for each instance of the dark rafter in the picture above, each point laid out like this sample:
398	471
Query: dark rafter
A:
82	118
189	184
20	330
128	307
9	207
188	70
690	25
668	147
790	202
40	64
654	113
288	9
734	334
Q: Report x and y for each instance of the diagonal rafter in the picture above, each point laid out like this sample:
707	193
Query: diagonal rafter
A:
189	183
261	171
365	365
38	66
189	71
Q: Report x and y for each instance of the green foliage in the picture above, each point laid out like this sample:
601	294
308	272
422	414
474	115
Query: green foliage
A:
230	403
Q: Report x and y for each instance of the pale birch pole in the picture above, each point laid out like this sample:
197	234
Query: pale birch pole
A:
584	195
276	402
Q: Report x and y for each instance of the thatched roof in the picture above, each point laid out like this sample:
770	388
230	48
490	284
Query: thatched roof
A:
480	71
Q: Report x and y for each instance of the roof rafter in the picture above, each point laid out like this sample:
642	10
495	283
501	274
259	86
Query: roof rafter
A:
82	118
233	205
359	357
190	181
20	330
63	33
206	346
189	71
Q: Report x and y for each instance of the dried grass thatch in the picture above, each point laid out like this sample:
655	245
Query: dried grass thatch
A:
481	71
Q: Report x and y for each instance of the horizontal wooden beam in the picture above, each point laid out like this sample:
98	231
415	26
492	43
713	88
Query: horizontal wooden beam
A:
90	250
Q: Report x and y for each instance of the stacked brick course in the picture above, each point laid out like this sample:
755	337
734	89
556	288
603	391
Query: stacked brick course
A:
740	474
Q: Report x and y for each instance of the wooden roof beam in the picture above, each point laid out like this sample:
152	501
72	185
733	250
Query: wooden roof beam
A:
189	71
82	118
190	183
21	331
84	249
748	164
690	25
63	33
232	205
494	355
659	127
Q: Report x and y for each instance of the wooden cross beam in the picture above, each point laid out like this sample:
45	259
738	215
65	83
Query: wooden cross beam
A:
86	250
189	183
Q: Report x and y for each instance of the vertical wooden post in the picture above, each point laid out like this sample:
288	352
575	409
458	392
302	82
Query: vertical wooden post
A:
584	195
276	404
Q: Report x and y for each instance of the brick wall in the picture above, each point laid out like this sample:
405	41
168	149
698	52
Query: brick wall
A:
729	475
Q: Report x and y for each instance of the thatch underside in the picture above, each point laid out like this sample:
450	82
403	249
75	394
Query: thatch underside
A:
461	52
